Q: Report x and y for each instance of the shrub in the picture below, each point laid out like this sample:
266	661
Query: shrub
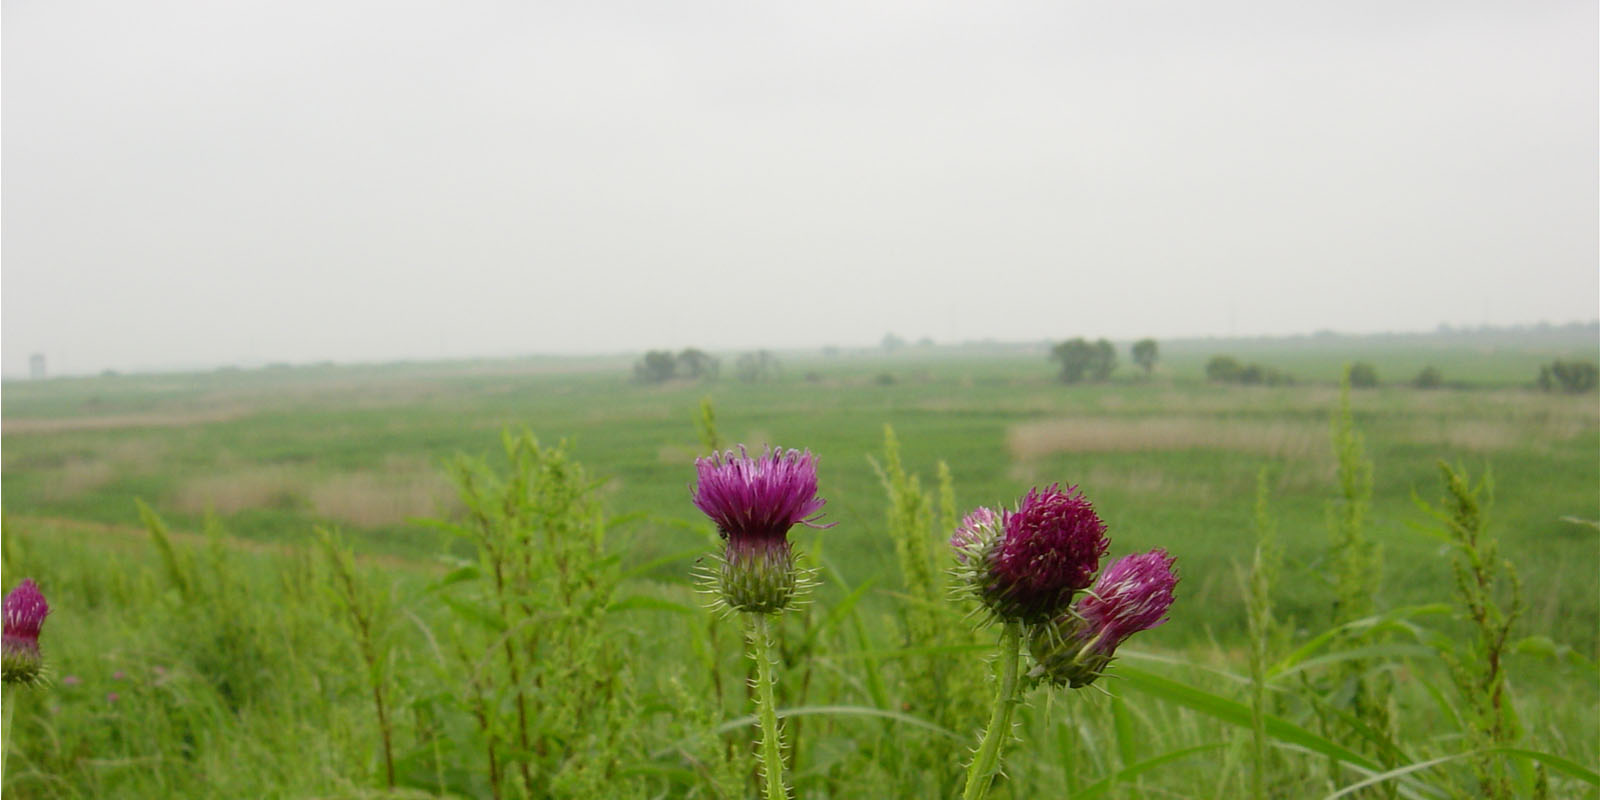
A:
1227	369
1224	368
1145	354
1429	378
1575	377
1363	375
1079	358
758	367
657	366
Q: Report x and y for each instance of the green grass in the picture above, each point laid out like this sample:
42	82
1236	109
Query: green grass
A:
1169	460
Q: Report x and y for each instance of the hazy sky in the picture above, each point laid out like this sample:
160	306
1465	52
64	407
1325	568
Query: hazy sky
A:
210	182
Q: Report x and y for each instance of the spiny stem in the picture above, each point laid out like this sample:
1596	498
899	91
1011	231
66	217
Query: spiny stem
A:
10	702
771	758
986	762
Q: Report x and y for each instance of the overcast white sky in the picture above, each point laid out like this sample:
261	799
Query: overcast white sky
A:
197	182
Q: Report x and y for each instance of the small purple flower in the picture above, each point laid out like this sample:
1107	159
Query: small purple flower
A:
754	502
978	528
24	610
1132	595
119	675
1046	550
112	697
71	680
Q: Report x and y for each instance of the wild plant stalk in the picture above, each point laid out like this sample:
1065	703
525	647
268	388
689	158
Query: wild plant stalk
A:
365	615
1263	573
986	761
1358	569
10	700
1480	577
766	709
930	678
706	423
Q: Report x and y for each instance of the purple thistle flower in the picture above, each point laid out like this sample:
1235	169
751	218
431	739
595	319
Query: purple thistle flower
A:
978	529
24	610
1132	595
754	502
1049	548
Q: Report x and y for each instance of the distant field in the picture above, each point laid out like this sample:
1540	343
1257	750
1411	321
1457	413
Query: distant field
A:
1169	459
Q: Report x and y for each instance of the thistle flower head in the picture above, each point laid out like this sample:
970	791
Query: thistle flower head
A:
1045	550
1132	595
979	529
24	610
754	502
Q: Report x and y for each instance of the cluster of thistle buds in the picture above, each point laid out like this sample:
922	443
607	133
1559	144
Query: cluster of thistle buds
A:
24	610
754	501
1027	566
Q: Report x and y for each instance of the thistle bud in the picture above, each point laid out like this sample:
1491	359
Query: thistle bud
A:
1025	565
1132	595
979	530
754	502
24	610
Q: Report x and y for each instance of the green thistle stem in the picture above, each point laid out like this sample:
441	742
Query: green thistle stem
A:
986	762
771	758
10	702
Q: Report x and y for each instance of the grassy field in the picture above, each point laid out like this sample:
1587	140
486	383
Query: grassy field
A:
1170	460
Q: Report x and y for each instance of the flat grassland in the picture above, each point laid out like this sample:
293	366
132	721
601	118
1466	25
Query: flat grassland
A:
1169	460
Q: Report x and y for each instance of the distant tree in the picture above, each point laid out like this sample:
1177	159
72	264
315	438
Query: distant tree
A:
1363	375
1575	377
1224	368
698	364
1227	369
1076	357
891	343
758	367
925	342
1105	360
1145	354
1429	378
656	366
884	379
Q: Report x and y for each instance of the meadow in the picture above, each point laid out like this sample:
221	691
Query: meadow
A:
279	619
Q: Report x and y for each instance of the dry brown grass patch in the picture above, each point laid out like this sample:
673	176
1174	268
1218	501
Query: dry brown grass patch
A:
400	492
1281	440
237	490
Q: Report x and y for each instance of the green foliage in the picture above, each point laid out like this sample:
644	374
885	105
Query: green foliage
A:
919	544
371	627
1429	378
1223	369
550	691
1264	568
1080	359
1362	375
1357	575
1146	353
761	366
656	366
1227	369
706	423
1483	580
1573	377
697	364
